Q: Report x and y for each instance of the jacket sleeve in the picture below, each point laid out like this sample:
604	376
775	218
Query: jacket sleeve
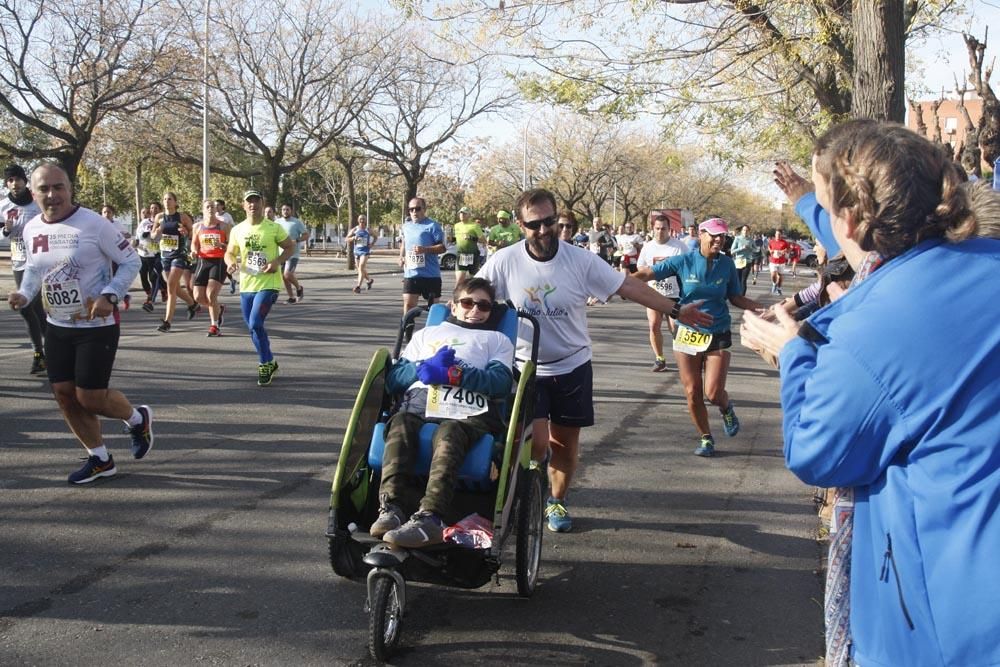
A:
818	222
839	424
120	251
401	375
494	380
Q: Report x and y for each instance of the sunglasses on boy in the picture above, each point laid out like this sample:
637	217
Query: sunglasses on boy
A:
483	305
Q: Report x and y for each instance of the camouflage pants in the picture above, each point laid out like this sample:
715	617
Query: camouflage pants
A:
451	442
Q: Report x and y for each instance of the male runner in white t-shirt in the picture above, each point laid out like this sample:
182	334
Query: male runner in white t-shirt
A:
70	250
551	281
661	247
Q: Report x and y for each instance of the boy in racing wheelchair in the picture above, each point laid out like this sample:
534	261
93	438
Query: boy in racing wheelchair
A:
463	354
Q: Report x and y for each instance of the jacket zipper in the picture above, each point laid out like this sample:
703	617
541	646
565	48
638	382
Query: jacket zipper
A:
888	559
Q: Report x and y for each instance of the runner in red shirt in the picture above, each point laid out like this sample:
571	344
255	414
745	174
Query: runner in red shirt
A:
777	249
794	255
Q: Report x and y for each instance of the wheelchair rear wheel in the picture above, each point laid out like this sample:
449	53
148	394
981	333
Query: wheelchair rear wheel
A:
530	519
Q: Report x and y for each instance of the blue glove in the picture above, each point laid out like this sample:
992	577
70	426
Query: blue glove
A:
435	369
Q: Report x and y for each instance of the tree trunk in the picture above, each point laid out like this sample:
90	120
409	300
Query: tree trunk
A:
879	60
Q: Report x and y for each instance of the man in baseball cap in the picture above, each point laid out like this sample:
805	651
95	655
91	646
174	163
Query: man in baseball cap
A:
503	233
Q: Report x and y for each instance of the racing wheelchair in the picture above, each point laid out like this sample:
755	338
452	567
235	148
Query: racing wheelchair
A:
497	480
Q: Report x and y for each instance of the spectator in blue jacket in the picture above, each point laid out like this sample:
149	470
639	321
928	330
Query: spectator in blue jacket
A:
889	390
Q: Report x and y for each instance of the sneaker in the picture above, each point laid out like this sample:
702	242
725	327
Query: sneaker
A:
299	291
232	288
390	517
274	366
213	332
147	305
193	310
164	328
559	519
422	530
127	301
706	448
38	364
222	313
93	468
264	374
292	299
142	435
730	421
356	289
369	282
773	288
659	366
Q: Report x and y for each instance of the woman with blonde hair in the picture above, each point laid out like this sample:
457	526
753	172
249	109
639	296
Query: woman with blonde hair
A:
894	390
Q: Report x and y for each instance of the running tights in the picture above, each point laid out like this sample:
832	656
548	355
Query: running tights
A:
34	317
256	306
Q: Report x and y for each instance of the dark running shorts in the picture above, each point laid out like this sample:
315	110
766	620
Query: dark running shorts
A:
428	288
83	356
567	400
210	269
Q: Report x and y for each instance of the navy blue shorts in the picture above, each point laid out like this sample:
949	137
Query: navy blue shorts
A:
567	400
81	355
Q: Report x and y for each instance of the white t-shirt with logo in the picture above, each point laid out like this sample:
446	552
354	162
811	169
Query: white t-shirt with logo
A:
70	263
556	293
474	347
654	252
628	243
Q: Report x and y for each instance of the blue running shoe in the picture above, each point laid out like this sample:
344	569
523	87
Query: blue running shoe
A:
93	468
706	448
730	422
142	434
559	520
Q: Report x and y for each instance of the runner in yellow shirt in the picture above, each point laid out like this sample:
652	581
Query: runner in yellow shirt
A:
262	246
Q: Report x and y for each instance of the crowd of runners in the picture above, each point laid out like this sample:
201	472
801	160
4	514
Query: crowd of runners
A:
910	433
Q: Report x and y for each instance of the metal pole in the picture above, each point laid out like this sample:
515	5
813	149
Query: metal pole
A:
204	115
524	158
367	198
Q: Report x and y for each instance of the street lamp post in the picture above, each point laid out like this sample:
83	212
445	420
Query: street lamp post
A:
104	186
204	114
524	158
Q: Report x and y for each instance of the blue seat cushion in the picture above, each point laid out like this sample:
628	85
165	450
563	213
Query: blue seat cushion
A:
475	470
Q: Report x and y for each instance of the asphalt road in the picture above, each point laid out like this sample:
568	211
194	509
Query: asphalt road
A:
211	550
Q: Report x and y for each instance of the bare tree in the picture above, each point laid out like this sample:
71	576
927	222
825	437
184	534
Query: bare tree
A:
287	78
979	77
422	104
65	68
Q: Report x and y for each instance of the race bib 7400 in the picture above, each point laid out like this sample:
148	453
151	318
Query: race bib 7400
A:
447	402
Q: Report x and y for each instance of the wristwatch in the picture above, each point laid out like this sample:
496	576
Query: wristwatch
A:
455	375
112	298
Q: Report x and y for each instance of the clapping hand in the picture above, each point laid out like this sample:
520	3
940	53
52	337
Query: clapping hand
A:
435	370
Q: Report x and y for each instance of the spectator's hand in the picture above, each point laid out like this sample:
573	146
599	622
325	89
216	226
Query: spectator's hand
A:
768	338
793	185
435	369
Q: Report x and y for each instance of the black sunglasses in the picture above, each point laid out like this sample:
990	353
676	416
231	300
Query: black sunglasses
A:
416	208
535	225
484	305
563	225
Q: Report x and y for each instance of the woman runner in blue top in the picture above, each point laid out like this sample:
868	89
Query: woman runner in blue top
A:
705	274
362	239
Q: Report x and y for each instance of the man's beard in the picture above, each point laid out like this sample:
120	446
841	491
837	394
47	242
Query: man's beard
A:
543	247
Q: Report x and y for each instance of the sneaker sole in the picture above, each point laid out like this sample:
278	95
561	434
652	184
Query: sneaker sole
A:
704	453
149	416
96	476
558	530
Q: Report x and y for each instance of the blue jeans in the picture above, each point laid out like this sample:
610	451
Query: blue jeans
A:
255	307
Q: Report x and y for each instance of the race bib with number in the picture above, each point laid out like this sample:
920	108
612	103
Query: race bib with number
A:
466	259
211	240
256	261
169	242
447	402
17	253
740	263
62	300
668	287
691	341
415	261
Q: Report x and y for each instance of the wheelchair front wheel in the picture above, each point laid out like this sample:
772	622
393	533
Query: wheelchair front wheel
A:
385	619
530	520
